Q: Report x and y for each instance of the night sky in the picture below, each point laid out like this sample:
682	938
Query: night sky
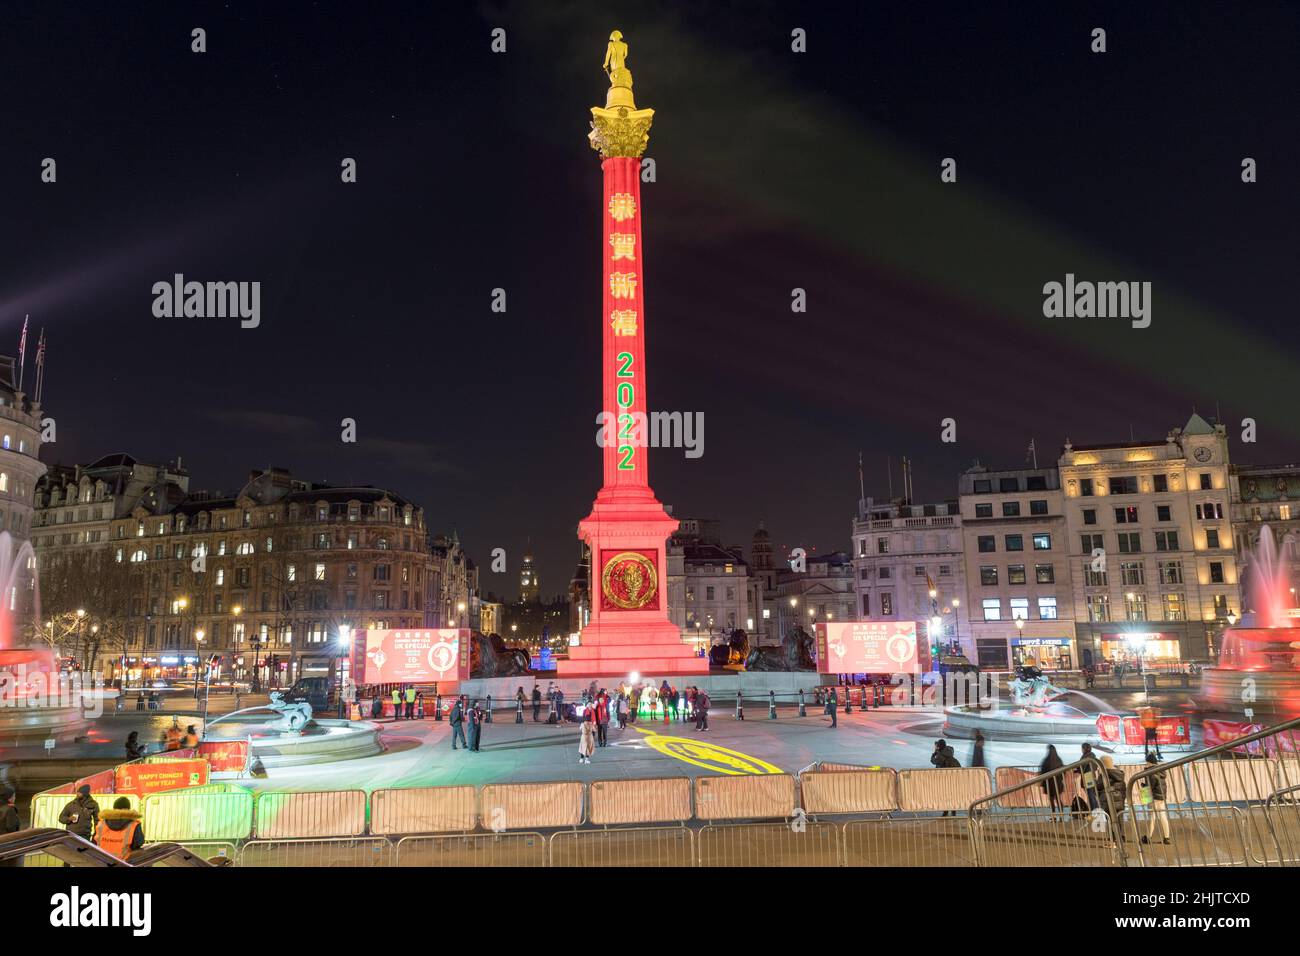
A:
775	170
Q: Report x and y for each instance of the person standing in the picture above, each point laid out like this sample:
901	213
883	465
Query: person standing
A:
1113	781
397	703
977	753
9	822
410	702
1088	777
559	706
602	718
475	726
622	706
666	698
701	709
120	831
81	814
1159	811
134	749
833	707
586	739
190	740
1053	786
537	704
172	738
457	720
419	705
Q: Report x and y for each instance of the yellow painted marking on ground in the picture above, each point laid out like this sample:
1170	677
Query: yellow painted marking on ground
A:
708	756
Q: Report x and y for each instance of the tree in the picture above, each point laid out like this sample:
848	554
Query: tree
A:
85	597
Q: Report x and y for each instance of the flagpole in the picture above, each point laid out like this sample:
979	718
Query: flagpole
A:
22	352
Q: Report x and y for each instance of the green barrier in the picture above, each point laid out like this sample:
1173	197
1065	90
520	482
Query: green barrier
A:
47	806
214	812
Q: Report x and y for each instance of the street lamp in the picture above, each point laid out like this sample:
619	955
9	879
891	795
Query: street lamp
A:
345	643
460	612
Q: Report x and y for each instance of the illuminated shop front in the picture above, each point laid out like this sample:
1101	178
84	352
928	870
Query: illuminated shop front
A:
1050	653
1148	646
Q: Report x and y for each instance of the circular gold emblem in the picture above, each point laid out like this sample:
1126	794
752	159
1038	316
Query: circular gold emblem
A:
629	580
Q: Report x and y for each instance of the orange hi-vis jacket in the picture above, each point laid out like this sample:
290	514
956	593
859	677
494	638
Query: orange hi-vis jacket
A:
117	842
1147	717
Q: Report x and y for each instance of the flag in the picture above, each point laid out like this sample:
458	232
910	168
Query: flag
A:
40	348
22	351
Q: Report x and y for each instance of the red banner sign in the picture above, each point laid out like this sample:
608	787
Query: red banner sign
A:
143	779
1171	731
225	756
867	647
411	656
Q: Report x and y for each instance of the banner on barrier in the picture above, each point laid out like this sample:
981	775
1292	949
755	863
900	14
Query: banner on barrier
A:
143	779
1171	731
225	756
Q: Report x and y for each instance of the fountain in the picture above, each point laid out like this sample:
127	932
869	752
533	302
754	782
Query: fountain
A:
286	734
1036	713
36	704
1259	658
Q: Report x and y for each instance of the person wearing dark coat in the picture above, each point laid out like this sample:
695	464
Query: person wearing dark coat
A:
475	726
1088	777
9	822
537	704
457	720
81	815
1052	786
120	831
977	754
945	758
1116	789
134	749
833	707
1159	809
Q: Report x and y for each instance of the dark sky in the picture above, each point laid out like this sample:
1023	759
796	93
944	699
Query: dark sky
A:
775	170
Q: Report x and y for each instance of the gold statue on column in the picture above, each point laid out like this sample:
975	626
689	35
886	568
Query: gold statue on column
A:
620	129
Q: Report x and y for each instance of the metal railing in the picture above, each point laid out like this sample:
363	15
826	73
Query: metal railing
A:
1230	805
75	851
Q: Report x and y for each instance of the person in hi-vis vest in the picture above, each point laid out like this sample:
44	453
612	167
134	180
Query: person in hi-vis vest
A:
120	831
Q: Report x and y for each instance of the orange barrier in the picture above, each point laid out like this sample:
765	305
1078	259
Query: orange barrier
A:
849	790
945	788
745	797
423	810
282	814
524	806
657	800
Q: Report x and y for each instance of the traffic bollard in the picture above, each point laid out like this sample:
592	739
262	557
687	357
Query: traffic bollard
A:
740	707
488	718
771	705
519	712
437	708
803	708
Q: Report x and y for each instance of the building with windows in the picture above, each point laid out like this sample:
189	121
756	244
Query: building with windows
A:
1267	496
710	590
529	587
273	579
1019	600
820	593
20	472
1153	566
902	552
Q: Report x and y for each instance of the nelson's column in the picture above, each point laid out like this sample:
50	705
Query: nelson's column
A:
627	529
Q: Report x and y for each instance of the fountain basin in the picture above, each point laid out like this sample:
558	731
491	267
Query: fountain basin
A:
1273	693
325	740
1053	724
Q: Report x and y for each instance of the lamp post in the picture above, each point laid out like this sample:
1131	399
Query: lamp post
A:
345	644
460	614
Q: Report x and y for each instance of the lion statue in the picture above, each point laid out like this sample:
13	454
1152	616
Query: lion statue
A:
794	654
489	657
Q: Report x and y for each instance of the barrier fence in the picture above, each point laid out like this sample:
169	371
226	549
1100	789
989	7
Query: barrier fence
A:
1237	804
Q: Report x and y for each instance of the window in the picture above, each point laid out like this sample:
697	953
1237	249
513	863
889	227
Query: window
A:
221	546
1212	538
1038	507
352	541
1042	541
984	511
1098	608
1011	509
291	573
1210	511
242	577
1091	578
1047	608
1044	573
1162	512
1160	483
1126	515
1085	487
221	577
1015	574
1130	542
1091	542
1284	512
1171	572
986	543
989	575
1131	572
983	486
319	573
882	546
1174	610
323	540
1014	542
1020	609
352	572
1135	606
1216	572
1036	483
245	547
992	609
1126	485
866	606
919	570
1207	484
382	572
1166	540
945	570
1008	484
1089	515
708	593
1220	605
887	605
885	572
